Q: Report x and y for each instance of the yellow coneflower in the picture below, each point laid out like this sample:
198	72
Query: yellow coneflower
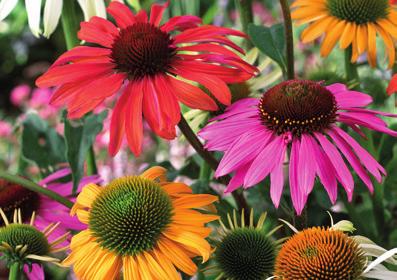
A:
23	246
319	253
354	23
142	225
243	250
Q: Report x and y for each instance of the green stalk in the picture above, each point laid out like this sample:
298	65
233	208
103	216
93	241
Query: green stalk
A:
70	24
15	272
351	68
35	188
244	8
70	28
205	172
91	164
289	39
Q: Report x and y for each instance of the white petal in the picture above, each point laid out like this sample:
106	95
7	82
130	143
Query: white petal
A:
52	13
93	8
381	259
33	8
6	7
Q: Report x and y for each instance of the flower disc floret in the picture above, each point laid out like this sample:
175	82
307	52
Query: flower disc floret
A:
130	214
358	11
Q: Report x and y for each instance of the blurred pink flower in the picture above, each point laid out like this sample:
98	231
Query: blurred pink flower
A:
5	129
19	95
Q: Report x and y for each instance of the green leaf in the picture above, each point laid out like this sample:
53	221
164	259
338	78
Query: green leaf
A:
42	144
79	136
270	41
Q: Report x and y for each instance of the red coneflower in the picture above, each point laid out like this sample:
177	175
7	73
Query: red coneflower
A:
156	65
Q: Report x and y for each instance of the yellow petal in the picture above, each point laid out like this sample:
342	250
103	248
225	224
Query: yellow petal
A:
109	267
201	246
349	33
86	197
143	268
156	173
154	266
177	256
191	217
166	264
389	44
362	38
176	188
316	29
371	44
194	200
83	216
331	38
130	268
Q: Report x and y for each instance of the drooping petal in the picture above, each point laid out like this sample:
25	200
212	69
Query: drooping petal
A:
277	177
156	13
117	125
297	193
33	9
6	7
134	122
237	179
37	272
92	8
52	14
306	164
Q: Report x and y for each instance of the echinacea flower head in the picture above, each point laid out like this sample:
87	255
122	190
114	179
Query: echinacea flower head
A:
26	245
142	225
243	250
392	87
297	119
352	23
13	196
319	253
154	65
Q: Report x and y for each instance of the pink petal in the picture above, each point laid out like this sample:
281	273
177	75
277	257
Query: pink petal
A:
337	88
306	164
238	179
277	178
55	176
352	99
366	158
243	150
298	196
326	172
352	159
37	272
264	163
336	159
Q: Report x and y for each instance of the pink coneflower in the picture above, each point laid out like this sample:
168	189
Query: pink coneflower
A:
300	117
149	60
47	211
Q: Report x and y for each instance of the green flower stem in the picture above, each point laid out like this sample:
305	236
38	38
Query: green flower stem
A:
91	164
211	161
70	24
244	8
350	68
35	188
15	272
70	28
205	172
289	39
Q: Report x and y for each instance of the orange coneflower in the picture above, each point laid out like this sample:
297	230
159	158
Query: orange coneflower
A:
353	23
142	225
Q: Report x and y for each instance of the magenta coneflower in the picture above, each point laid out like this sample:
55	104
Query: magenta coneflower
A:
47	211
155	66
300	117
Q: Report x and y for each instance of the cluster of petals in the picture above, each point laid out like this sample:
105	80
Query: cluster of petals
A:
86	75
253	152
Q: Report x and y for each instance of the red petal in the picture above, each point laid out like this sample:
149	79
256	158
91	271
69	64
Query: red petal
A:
192	96
81	52
215	85
99	31
121	13
181	23
141	16
168	101
156	13
133	125
209	48
117	124
207	31
75	72
392	88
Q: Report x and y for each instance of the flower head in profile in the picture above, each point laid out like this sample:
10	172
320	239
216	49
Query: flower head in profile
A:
392	87
154	65
243	250
298	119
141	225
46	211
352	23
28	246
